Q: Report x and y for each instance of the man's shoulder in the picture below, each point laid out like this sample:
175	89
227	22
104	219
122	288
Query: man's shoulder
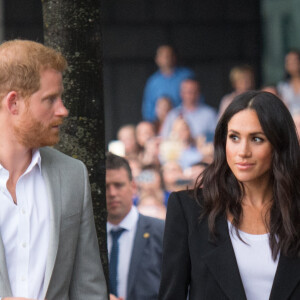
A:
156	76
174	112
152	222
203	107
56	157
184	71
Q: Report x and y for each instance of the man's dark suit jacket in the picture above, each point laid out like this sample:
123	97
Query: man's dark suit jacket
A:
145	265
191	260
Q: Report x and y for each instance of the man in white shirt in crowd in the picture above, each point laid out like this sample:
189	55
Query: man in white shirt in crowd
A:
200	117
134	241
48	243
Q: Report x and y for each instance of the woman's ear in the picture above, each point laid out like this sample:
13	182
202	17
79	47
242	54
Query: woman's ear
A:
12	102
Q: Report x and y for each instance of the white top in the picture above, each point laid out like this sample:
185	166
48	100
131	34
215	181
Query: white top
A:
256	265
126	241
24	230
288	95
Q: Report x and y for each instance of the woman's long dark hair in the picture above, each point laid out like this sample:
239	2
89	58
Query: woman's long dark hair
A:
223	193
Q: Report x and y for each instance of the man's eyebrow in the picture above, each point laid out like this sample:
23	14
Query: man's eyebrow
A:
53	94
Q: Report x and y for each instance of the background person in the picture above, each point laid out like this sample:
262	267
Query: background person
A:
162	108
239	237
200	117
289	89
137	263
242	79
164	82
126	134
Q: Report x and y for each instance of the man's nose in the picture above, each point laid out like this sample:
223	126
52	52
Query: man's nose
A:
110	191
61	110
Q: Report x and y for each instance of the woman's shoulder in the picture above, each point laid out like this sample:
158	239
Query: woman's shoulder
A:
187	199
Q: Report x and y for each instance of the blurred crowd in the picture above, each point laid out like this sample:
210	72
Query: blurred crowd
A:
169	149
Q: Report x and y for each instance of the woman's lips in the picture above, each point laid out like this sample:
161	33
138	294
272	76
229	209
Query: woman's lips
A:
244	166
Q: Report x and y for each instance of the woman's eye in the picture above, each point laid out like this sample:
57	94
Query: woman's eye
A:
258	139
233	137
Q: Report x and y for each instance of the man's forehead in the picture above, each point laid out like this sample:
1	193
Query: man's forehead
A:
117	174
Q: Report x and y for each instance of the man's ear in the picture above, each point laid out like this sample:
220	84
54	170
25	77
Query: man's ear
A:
12	102
134	186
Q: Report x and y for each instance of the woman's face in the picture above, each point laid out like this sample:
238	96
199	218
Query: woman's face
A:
248	151
181	130
292	64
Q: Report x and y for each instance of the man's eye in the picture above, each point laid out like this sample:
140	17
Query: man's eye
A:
52	99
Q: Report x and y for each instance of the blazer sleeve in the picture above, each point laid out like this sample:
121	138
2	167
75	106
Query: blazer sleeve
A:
176	264
88	281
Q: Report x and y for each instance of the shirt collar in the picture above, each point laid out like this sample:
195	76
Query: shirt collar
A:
36	160
127	223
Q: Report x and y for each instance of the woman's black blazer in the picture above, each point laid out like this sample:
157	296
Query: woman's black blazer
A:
193	263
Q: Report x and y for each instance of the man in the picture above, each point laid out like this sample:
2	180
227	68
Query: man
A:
48	244
135	267
200	117
164	82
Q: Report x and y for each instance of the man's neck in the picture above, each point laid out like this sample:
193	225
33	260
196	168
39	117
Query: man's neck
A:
16	163
190	107
167	71
15	159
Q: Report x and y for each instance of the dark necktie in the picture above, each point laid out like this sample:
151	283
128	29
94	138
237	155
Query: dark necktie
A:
113	262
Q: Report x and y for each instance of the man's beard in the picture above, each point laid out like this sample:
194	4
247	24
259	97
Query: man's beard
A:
32	133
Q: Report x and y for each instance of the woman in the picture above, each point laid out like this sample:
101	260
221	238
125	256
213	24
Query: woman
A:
289	89
240	238
242	79
181	133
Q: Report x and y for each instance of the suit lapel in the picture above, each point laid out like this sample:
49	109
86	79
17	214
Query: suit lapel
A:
286	278
52	182
3	269
140	242
222	264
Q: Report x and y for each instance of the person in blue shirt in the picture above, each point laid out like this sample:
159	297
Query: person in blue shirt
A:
200	117
165	81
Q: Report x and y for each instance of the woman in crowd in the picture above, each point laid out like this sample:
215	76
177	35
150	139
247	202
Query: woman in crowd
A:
238	235
162	108
289	89
242	80
189	153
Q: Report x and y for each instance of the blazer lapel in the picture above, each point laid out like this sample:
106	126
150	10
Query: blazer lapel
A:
222	263
286	278
52	182
140	242
3	269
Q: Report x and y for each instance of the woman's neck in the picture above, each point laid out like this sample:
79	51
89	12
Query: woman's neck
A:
256	204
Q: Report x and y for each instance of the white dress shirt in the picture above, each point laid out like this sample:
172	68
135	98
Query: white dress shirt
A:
24	230
125	247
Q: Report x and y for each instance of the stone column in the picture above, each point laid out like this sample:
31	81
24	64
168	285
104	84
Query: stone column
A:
73	27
